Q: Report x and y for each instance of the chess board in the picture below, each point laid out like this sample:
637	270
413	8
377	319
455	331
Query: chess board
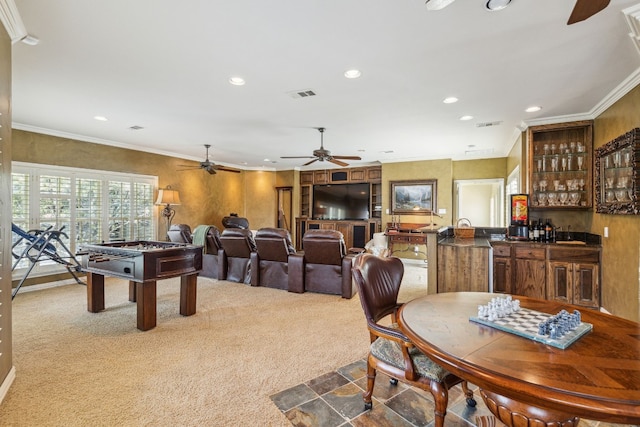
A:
525	324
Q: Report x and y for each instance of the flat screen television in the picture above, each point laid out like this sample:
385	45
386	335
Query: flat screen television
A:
341	201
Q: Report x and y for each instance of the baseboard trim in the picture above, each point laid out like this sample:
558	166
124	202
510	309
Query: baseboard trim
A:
6	384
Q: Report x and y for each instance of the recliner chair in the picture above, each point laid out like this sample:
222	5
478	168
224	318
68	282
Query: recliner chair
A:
214	260
238	245
179	233
327	266
276	263
235	222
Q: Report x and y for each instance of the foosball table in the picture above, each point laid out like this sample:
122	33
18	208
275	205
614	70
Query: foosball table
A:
142	263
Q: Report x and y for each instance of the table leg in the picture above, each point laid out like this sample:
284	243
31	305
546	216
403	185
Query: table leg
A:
95	292
514	413
132	291
146	300
188	290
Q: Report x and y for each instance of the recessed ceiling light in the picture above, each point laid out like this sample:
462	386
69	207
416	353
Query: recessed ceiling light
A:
352	74
533	109
100	118
266	160
450	100
466	118
494	5
237	81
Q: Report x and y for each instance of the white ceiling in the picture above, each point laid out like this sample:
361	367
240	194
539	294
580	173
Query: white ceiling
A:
165	65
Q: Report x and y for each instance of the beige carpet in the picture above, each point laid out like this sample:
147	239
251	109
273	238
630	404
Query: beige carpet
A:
215	368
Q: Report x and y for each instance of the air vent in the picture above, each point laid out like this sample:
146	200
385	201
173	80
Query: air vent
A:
136	127
488	124
302	93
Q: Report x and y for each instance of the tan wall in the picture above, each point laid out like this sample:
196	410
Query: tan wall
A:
6	356
205	198
480	169
621	251
442	170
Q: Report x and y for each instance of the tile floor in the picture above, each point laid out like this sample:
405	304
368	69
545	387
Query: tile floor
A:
335	400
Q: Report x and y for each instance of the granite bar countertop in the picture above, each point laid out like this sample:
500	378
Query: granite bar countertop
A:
485	236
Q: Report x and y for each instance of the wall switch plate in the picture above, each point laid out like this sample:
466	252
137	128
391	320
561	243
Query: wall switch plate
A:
387	211
606	232
442	211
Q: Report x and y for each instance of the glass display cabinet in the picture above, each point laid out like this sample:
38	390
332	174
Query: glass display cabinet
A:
561	165
617	177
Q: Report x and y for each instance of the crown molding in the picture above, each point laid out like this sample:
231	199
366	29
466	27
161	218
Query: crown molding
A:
12	21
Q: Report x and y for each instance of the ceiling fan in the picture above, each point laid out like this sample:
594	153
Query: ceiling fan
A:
209	166
582	10
323	154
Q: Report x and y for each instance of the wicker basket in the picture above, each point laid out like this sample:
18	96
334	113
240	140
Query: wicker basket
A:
463	229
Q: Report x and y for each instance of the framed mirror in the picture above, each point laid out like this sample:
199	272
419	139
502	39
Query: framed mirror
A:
617	178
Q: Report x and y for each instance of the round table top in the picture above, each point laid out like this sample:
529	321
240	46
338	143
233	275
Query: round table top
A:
597	377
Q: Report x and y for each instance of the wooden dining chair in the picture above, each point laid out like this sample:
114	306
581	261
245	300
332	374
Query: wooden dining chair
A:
378	282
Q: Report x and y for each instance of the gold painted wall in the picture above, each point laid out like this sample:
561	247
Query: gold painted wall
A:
205	198
6	328
260	199
442	170
621	251
480	169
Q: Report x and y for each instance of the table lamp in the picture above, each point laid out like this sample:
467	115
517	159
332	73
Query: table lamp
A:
168	197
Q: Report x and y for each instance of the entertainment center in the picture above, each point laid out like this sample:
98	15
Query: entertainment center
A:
347	199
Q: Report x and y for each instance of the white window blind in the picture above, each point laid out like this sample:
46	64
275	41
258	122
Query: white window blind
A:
90	206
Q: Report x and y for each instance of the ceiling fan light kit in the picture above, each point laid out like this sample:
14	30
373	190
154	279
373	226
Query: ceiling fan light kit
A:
209	166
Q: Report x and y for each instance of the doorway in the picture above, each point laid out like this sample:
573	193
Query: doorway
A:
481	201
285	207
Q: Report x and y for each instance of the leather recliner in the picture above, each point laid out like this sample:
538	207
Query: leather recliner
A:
327	266
276	263
235	222
179	233
238	245
214	260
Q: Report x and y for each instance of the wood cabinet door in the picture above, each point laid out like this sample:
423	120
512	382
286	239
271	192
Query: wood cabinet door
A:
463	269
559	281
502	275
530	278
586	285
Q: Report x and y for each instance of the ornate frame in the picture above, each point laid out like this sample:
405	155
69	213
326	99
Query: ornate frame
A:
414	197
610	168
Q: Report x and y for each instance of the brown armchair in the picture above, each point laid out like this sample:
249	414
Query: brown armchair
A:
276	263
179	233
238	245
327	266
214	260
378	281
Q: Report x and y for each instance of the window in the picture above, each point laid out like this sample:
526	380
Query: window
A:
89	206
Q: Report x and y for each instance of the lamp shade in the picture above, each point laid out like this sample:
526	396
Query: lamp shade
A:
167	196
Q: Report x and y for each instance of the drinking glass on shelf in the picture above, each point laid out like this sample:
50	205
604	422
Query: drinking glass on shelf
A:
545	147
616	159
543	185
554	163
580	147
627	158
609	182
580	162
553	199
564	163
581	184
572	146
539	163
556	184
574	198
553	148
564	197
542	198
609	197
621	194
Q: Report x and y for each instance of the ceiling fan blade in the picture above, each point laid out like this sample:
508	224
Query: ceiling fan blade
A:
338	162
308	163
226	169
212	171
296	157
586	9
347	157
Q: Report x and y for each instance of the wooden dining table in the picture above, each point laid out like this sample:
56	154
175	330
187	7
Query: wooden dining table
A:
597	377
